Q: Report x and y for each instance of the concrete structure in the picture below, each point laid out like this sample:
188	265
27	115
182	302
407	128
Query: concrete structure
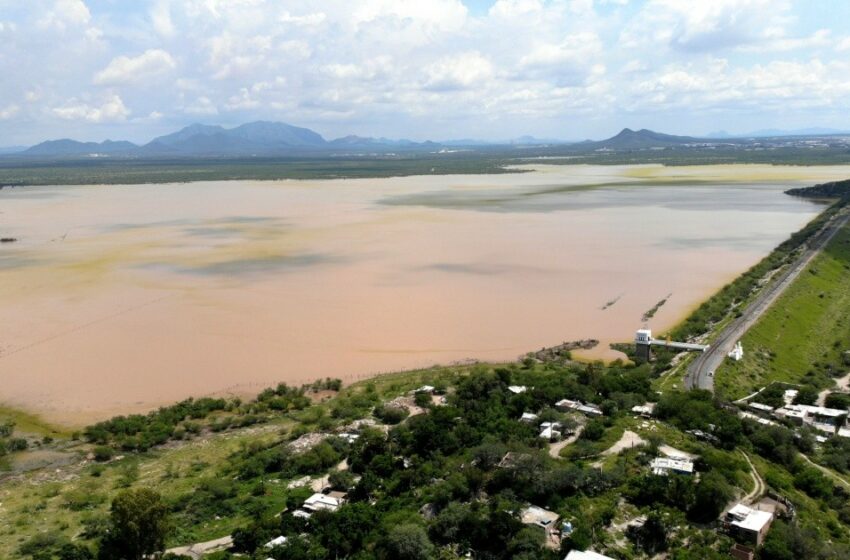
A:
748	525
586	555
543	518
663	466
755	418
425	389
644	343
737	352
828	420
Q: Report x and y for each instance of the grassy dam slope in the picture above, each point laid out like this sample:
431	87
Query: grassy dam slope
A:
803	337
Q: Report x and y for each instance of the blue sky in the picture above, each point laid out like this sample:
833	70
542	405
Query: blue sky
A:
422	69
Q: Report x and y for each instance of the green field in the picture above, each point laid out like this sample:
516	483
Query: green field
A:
802	337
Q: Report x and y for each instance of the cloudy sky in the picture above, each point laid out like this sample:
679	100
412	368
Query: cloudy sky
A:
421	69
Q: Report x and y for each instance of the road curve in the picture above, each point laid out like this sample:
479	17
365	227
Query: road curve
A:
697	376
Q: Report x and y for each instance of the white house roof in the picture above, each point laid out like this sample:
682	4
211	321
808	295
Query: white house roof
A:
322	501
661	465
277	541
425	389
586	555
748	518
517	389
528	417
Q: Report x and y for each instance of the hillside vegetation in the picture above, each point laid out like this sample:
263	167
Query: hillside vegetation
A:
803	338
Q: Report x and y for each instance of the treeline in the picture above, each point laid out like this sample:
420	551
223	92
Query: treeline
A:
833	189
140	432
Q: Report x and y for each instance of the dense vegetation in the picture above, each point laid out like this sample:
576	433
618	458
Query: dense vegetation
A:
834	189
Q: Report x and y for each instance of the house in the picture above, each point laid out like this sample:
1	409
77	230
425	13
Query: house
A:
528	418
747	524
425	389
820	417
330	501
551	431
565	405
517	389
663	466
277	541
644	410
543	518
586	555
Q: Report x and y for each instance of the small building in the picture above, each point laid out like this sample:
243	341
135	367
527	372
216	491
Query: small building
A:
543	518
748	525
277	541
517	389
551	431
586	555
645	410
528	418
566	405
590	410
737	352
759	419
330	501
425	389
663	466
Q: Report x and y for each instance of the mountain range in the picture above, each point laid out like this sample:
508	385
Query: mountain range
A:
267	139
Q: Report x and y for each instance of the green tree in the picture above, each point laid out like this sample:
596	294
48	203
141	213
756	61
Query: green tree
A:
408	542
139	525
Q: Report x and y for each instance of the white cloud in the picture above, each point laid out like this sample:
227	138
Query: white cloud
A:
161	18
8	112
127	70
66	13
460	71
314	18
201	106
515	8
111	110
843	45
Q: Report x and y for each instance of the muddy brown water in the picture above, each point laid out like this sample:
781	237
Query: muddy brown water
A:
122	298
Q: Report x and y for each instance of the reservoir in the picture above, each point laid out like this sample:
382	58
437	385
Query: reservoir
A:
117	299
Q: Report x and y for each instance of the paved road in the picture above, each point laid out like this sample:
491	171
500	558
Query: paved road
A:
698	372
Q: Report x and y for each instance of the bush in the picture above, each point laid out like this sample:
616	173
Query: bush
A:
103	453
390	414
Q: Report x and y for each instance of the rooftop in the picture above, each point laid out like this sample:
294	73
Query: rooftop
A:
586	555
748	518
517	389
663	465
533	515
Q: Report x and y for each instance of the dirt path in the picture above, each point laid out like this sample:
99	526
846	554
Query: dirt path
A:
198	550
841	384
555	448
826	471
629	440
759	487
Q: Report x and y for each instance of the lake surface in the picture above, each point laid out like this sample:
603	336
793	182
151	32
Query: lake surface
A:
122	298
